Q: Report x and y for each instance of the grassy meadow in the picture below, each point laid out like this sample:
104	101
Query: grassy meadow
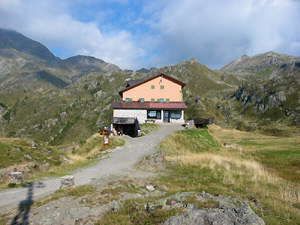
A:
265	170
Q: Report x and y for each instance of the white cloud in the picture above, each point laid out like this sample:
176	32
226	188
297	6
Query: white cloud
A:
49	22
217	31
163	33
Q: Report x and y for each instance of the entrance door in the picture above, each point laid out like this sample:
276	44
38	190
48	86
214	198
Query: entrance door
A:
166	116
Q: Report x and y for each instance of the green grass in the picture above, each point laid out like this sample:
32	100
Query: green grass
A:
16	151
135	213
19	152
79	157
74	192
248	170
146	128
285	162
189	141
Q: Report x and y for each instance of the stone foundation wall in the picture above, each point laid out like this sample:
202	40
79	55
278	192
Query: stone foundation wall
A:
141	114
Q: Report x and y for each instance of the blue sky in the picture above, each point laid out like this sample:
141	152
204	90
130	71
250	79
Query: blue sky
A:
136	34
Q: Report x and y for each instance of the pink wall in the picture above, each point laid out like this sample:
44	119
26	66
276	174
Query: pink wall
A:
171	91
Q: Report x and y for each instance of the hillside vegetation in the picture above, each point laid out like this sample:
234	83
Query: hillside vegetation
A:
53	100
36	159
262	169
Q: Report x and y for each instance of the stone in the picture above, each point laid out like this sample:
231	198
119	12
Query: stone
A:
214	216
150	187
16	177
229	211
67	182
190	124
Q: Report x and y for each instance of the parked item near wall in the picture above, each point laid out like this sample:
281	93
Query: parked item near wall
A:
198	122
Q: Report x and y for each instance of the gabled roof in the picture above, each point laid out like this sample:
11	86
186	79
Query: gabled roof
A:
134	84
148	105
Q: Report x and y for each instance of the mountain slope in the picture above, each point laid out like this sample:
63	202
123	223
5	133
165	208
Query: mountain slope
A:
268	95
80	65
70	101
27	63
13	40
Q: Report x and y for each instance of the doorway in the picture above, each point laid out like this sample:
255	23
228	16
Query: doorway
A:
166	116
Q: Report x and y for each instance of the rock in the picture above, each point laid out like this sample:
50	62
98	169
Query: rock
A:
190	124
31	143
215	216
287	112
16	177
164	188
150	187
193	60
116	205
67	182
64	159
202	210
153	162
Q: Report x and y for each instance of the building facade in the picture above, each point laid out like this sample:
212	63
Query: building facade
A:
158	99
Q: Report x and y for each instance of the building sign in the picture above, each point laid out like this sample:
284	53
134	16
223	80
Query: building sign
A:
106	139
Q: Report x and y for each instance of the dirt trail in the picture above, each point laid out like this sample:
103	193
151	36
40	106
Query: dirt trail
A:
120	161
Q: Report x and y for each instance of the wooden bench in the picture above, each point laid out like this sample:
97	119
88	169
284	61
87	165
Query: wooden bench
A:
149	121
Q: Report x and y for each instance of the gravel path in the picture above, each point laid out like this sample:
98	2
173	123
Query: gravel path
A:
121	161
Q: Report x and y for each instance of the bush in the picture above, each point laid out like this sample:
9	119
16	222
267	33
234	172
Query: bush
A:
11	134
6	116
3	105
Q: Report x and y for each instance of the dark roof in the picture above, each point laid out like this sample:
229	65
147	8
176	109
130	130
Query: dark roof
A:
151	78
133	82
148	105
123	120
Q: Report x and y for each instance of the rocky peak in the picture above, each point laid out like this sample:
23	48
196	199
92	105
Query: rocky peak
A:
263	66
10	39
193	60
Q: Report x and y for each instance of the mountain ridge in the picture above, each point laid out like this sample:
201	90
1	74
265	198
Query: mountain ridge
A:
52	104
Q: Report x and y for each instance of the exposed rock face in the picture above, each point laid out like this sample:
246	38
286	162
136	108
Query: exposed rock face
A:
227	211
16	177
259	97
215	216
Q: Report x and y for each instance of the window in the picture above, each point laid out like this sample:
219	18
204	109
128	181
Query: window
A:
167	100
176	114
127	99
152	86
161	100
153	114
152	100
162	87
141	100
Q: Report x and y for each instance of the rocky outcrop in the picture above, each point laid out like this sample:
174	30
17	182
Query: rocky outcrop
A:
210	209
16	177
259	97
